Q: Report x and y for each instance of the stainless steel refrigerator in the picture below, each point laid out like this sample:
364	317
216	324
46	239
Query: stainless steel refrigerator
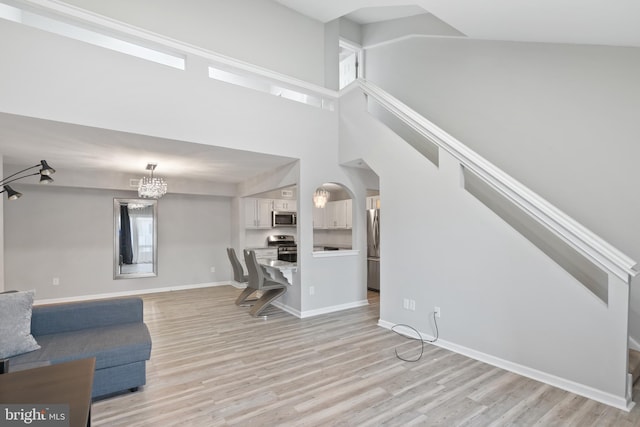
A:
373	249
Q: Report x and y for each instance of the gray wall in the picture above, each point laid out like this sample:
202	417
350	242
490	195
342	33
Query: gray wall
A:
562	119
68	233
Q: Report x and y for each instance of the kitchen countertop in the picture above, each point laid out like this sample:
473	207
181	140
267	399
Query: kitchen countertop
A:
321	253
280	265
337	247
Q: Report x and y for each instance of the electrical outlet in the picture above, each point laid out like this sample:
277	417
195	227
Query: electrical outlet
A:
412	305
436	310
56	281
312	290
213	269
405	303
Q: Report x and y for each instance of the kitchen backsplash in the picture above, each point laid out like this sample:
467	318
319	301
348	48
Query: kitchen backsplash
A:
331	237
257	238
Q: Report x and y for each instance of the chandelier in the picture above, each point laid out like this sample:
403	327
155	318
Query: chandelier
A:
152	187
320	198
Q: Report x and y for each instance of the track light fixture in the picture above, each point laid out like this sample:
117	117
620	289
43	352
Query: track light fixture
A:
45	173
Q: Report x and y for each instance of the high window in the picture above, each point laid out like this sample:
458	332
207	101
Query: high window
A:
350	61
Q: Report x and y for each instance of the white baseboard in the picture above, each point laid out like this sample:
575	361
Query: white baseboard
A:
562	383
128	293
333	308
287	308
317	312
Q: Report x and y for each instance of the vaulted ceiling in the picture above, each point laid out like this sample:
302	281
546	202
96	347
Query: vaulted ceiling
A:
614	23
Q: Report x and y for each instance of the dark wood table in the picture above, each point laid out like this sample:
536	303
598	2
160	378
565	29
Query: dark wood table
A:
67	383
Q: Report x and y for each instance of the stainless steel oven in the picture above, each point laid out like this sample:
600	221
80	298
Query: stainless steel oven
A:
288	253
286	244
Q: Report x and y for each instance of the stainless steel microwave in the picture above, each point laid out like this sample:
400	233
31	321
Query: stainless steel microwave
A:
283	219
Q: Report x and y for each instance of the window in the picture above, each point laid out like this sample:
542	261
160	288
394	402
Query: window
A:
95	38
350	63
262	85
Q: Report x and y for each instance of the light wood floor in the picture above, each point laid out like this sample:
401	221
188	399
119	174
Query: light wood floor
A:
212	365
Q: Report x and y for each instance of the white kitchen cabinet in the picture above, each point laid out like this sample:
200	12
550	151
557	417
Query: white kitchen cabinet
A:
284	205
258	213
373	202
318	218
330	220
336	214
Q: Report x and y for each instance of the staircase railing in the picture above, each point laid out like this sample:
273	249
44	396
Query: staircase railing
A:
571	232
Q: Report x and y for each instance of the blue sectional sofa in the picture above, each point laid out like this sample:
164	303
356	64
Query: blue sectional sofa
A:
111	330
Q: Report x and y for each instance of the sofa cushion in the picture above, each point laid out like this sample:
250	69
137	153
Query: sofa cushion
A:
15	324
74	316
111	346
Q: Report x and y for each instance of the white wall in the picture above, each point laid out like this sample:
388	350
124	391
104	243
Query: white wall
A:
64	232
333	276
260	32
331	54
502	299
106	89
562	119
350	30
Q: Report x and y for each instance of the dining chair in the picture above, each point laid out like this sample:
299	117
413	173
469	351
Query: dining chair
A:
260	280
240	277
